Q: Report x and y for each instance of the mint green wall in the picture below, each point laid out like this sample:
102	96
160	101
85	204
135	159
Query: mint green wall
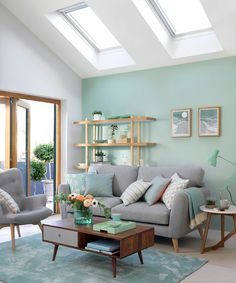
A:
155	92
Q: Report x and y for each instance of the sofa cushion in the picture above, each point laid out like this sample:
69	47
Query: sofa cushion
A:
195	174
141	212
134	192
177	184
156	190
98	185
108	201
123	176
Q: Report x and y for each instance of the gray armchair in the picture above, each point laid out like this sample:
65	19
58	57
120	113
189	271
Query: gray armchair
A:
32	209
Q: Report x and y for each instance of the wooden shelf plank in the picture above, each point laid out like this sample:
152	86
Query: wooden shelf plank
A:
115	144
110	121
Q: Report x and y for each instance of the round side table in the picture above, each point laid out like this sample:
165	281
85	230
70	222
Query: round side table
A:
215	211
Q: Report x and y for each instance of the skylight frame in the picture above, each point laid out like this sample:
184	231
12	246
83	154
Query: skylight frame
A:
66	13
157	9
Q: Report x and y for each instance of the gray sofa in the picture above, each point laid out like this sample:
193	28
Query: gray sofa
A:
172	223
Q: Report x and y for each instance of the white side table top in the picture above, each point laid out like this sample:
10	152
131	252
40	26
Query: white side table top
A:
231	210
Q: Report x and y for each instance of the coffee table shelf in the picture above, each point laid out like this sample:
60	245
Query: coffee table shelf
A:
66	233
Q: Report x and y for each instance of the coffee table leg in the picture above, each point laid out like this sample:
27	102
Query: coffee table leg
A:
140	256
114	266
55	252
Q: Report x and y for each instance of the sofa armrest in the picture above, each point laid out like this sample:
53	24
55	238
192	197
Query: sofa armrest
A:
179	215
34	202
64	188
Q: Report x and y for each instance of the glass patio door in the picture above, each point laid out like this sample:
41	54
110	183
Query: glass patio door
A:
20	140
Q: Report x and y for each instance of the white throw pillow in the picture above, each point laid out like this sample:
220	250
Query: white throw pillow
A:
9	202
134	192
177	184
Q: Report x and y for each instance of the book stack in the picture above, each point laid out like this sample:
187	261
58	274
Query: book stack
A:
106	246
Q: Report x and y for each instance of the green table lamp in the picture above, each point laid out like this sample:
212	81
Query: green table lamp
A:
212	160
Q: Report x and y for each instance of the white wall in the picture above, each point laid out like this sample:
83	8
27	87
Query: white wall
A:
28	66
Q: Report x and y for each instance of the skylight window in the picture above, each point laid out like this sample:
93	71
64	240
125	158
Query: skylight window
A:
86	22
181	16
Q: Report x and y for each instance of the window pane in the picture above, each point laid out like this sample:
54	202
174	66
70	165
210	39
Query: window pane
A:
184	15
92	27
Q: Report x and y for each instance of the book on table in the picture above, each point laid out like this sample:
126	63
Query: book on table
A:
114	227
106	245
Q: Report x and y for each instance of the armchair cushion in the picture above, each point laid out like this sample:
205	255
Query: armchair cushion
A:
28	216
8	202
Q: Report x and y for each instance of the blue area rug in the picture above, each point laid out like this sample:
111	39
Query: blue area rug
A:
31	263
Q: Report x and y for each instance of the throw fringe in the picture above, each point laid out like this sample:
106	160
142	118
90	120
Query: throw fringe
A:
199	219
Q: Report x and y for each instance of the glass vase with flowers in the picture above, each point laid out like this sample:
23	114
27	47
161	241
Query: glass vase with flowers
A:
83	208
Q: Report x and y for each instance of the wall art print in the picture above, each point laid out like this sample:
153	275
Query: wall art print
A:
209	121
181	121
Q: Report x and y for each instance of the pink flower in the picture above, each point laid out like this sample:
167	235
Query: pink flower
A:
87	203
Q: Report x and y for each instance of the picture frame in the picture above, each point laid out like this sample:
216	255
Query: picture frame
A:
209	119
181	123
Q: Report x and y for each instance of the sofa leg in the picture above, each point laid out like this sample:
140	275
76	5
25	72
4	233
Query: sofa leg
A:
13	236
175	245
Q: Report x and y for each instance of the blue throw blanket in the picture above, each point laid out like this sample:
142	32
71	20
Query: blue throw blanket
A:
196	199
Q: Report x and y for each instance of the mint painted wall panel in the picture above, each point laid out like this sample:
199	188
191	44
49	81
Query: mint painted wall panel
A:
155	92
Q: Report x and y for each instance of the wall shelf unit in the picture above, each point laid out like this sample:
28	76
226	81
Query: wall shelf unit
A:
132	144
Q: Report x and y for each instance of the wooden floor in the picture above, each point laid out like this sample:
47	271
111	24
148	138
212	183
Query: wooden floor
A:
220	268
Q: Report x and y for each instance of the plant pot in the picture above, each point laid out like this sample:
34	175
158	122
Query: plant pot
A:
97	117
99	158
111	141
83	216
63	211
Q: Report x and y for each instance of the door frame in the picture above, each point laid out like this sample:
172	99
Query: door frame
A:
6	101
57	103
14	103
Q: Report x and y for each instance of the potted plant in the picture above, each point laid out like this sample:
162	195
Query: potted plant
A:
82	205
97	115
37	172
99	156
45	153
62	200
113	129
211	202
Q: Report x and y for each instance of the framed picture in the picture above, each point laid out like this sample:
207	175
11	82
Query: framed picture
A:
209	121
181	122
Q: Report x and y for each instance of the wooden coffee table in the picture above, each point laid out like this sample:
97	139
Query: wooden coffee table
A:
66	233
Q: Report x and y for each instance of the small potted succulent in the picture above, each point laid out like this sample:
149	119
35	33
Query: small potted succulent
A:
113	129
210	202
97	115
99	156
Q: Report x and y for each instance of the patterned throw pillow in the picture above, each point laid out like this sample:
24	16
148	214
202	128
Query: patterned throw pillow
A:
177	184
134	192
9	202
